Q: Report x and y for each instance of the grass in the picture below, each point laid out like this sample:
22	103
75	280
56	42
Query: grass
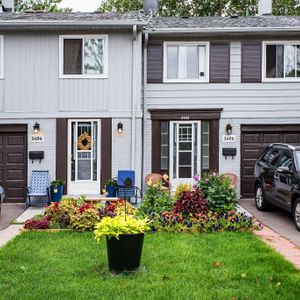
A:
70	265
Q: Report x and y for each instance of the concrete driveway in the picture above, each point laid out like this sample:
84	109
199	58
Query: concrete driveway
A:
278	220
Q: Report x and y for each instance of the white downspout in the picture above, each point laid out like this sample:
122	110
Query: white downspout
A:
144	106
134	96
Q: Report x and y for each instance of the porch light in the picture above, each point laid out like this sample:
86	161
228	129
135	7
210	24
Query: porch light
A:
36	127
120	127
228	128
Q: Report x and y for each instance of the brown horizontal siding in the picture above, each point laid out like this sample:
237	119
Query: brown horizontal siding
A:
219	62
251	62
155	63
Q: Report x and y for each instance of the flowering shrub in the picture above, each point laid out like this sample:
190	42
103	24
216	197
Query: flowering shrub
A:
156	200
113	227
218	192
85	218
200	223
191	202
37	223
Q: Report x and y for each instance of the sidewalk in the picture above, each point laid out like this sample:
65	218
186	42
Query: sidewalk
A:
10	211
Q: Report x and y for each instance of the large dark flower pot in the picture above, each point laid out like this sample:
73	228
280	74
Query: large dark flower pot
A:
111	191
56	193
124	254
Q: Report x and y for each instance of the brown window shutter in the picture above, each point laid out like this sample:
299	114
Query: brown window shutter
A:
219	62
106	150
62	151
155	63
251	62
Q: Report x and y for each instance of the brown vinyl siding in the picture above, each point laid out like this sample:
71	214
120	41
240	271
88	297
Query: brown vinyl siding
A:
251	67
62	151
219	62
106	150
155	63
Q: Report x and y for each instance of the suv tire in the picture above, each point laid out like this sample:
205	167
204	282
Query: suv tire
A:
260	201
296	213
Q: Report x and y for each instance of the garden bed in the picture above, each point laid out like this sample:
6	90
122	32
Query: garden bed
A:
69	265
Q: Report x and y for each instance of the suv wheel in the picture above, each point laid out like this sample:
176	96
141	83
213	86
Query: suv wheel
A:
260	202
296	213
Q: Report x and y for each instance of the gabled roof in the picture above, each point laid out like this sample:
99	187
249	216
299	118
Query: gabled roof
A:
41	20
224	24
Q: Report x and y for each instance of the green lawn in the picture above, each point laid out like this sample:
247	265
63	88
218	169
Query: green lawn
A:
70	265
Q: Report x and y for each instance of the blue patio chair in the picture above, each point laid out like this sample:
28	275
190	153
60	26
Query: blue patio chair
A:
126	188
39	189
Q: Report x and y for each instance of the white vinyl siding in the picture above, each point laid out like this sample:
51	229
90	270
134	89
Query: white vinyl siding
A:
186	62
83	56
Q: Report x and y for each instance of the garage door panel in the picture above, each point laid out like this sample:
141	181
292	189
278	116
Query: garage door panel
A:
13	163
251	138
269	138
291	138
253	143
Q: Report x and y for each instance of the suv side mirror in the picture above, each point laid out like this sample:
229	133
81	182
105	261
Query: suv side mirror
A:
284	170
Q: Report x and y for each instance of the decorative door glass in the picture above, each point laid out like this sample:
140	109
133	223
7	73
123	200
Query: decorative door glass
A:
84	149
185	153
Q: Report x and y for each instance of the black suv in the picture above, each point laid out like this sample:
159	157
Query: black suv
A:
277	179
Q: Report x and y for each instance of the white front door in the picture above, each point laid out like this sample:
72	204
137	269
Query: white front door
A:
185	156
84	157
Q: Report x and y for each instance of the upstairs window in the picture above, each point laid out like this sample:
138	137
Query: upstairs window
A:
83	56
282	61
186	62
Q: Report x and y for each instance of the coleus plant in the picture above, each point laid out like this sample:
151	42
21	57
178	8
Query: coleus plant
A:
191	202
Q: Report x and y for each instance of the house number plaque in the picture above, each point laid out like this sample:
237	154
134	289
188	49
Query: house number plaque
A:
37	139
185	117
229	138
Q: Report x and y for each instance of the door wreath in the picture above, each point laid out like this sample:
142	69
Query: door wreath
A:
84	142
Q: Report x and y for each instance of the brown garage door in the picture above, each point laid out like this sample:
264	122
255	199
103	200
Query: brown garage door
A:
253	142
13	161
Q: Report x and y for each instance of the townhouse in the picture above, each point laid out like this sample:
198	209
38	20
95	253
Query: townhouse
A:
84	95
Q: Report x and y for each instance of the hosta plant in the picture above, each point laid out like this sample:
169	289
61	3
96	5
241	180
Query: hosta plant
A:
191	202
114	227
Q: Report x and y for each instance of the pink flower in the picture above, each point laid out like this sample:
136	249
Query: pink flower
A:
196	177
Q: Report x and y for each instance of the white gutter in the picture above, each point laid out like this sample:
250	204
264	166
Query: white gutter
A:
133	96
221	30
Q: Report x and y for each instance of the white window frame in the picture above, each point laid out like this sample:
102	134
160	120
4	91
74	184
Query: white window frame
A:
2	57
264	62
204	79
61	56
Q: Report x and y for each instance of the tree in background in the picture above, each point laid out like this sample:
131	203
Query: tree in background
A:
204	7
44	5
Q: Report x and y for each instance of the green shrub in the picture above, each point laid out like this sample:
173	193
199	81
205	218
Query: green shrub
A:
156	200
218	192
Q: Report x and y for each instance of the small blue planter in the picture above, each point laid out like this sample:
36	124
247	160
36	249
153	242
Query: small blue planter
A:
111	191
56	193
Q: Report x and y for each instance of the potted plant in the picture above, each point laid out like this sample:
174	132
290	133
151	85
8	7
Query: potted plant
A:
111	186
56	190
124	239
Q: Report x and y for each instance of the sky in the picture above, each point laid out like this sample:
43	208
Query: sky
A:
81	5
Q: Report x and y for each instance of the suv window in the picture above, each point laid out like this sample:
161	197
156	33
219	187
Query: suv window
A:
286	160
271	157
